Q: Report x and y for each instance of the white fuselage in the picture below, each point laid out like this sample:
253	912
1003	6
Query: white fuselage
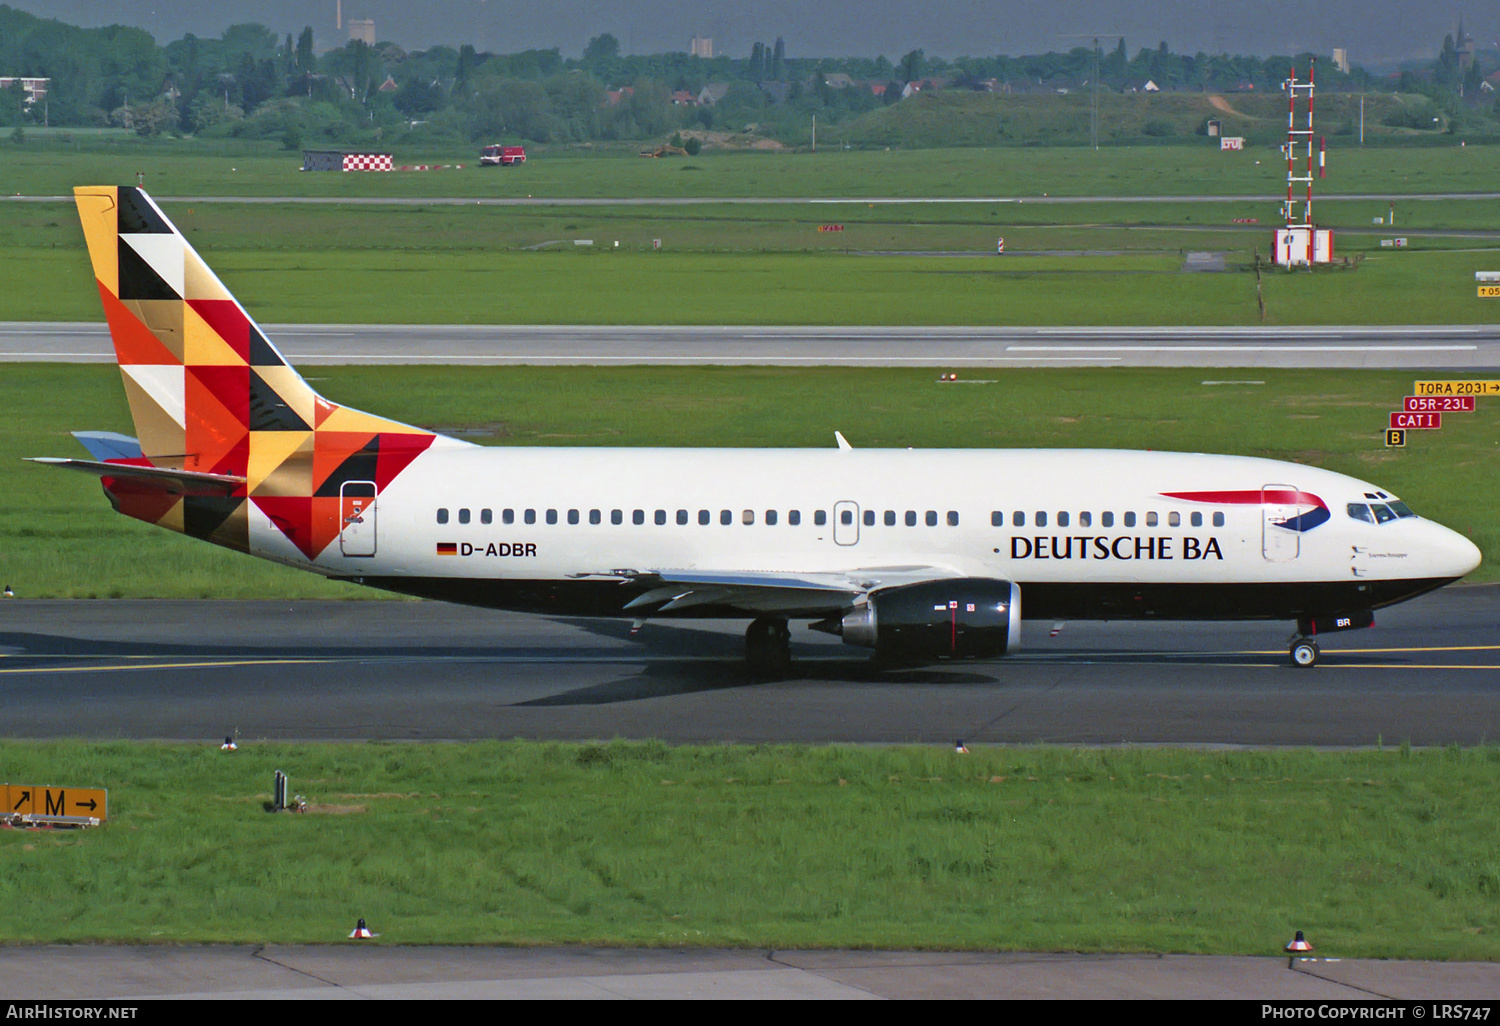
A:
1065	517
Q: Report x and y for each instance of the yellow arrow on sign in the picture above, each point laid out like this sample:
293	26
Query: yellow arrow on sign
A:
24	799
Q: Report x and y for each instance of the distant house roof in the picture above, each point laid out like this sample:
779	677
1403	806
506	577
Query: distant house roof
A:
712	93
878	88
1142	86
838	80
389	85
684	98
613	97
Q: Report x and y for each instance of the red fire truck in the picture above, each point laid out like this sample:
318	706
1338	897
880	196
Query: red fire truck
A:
502	156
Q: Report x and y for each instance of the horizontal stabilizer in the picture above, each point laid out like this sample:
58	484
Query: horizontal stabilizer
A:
174	480
109	445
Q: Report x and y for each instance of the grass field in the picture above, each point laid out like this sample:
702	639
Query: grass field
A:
183	168
58	537
1376	854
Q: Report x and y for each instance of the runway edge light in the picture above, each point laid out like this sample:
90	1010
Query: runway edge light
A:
360	931
1298	944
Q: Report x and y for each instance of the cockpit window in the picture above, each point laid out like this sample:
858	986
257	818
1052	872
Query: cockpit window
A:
1359	511
1383	514
1401	509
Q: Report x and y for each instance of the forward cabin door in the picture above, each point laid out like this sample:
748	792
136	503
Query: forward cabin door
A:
1278	544
357	517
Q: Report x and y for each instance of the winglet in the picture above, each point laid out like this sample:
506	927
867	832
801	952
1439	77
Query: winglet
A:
843	442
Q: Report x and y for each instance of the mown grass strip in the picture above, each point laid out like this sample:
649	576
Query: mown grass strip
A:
1375	854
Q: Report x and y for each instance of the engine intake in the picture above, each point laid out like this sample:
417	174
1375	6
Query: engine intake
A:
966	617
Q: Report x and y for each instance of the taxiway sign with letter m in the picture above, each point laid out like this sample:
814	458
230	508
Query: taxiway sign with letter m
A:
29	799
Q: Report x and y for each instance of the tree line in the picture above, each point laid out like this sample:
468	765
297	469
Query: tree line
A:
253	83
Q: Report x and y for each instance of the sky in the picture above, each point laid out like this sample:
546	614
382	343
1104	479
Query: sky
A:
1373	31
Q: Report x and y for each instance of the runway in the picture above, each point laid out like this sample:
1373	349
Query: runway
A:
1416	347
1428	674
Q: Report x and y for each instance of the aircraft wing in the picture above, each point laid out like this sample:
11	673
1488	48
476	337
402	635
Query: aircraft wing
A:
760	593
166	477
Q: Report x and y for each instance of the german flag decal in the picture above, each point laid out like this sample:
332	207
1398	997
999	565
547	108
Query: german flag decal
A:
447	548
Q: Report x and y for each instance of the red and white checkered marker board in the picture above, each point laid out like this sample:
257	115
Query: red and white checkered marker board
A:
367	162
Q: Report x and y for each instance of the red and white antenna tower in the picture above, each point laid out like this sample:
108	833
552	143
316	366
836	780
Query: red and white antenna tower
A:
1296	137
1301	242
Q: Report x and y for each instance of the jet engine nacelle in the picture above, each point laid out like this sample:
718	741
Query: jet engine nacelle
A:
976	617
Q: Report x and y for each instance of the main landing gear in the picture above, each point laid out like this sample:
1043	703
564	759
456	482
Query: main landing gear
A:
768	649
1304	648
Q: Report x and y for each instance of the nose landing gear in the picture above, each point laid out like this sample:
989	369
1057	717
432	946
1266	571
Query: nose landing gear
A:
1304	647
1304	652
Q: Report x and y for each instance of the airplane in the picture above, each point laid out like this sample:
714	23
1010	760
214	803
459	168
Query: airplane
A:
919	555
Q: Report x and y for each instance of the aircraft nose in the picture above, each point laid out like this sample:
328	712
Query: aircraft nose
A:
1459	556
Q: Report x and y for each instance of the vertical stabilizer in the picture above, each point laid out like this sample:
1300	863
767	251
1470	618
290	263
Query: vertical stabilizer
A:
209	393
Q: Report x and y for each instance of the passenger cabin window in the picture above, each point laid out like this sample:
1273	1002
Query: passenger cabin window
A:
747	517
890	518
507	516
770	518
463	516
726	517
1130	519
442	516
1174	519
638	517
531	516
1062	520
1041	518
552	516
911	518
705	517
846	517
1018	519
1085	519
572	516
486	516
1218	519
1106	520
661	517
794	517
1150	519
682	516
932	518
820	517
997	519
869	518
953	518
1196	519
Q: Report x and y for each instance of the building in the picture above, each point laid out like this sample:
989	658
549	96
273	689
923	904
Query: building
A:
36	88
362	29
701	46
1341	59
712	93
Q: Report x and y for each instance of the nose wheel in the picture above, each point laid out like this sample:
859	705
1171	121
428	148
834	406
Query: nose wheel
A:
768	649
1304	653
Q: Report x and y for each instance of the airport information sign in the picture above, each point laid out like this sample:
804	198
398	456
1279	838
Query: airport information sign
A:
1439	404
1456	387
1489	291
1417	421
30	799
